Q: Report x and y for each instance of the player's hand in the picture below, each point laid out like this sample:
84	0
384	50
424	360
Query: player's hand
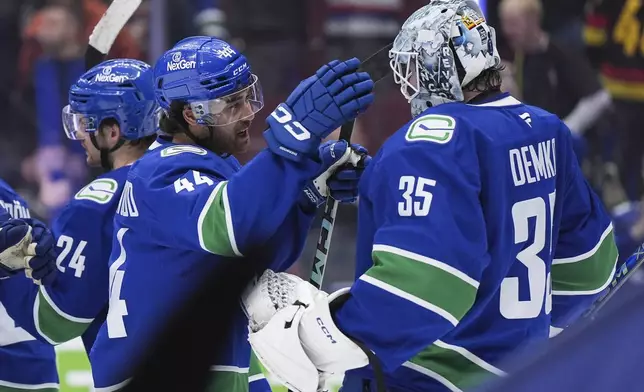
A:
41	254
343	183
336	94
293	333
15	237
340	172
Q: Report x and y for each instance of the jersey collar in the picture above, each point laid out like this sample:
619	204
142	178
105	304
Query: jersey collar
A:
498	100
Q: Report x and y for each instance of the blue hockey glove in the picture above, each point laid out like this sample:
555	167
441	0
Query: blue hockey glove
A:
336	94
340	172
15	237
41	254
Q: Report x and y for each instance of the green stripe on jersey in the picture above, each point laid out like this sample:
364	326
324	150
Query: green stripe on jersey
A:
215	226
426	279
53	324
255	365
588	274
229	381
453	366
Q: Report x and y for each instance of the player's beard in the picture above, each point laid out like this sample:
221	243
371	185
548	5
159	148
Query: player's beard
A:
228	140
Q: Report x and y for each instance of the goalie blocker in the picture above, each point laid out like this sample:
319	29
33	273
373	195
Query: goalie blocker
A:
293	333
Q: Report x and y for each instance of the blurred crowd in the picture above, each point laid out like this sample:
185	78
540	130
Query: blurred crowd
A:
580	59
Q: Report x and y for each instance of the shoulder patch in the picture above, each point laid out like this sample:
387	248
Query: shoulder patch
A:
435	128
99	191
176	150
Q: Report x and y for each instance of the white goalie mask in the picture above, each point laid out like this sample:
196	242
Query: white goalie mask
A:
442	47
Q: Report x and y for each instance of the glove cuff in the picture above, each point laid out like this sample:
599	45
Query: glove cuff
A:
309	199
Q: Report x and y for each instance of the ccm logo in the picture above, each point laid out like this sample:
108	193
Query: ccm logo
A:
325	330
241	68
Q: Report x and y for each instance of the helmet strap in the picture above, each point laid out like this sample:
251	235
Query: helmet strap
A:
107	163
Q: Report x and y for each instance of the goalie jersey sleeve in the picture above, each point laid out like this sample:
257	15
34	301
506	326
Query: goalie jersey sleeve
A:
79	295
585	253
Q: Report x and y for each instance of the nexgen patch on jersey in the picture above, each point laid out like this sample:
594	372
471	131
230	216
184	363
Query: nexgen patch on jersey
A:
433	128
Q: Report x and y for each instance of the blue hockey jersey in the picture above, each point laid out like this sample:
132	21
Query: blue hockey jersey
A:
182	208
476	232
26	364
75	304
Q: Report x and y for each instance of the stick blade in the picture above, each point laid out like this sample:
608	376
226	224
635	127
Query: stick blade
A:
108	28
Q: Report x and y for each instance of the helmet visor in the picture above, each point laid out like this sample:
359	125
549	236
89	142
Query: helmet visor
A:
231	108
77	125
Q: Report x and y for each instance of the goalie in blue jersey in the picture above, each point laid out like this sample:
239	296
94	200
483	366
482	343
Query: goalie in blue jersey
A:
476	233
113	113
188	204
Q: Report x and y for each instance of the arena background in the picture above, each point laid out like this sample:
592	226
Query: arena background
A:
286	40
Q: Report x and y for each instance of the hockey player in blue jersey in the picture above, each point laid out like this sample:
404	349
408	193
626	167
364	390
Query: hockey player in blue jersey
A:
188	202
476	232
26	364
113	113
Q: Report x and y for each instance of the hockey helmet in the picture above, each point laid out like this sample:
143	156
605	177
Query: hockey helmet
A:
211	76
441	48
120	89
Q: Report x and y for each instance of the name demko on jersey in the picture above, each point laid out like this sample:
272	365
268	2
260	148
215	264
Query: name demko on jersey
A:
26	364
477	232
183	208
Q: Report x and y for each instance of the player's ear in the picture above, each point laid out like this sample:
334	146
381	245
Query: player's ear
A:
113	132
110	132
189	116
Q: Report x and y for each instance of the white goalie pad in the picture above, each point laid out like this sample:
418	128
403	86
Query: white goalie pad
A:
299	343
330	350
278	347
266	295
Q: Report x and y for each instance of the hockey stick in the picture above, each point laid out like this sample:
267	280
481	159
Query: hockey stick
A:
624	272
377	66
107	29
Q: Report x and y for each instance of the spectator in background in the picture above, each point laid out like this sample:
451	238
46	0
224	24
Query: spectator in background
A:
87	13
564	21
614	40
17	125
548	74
51	59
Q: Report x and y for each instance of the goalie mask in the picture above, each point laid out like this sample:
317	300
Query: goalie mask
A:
440	49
